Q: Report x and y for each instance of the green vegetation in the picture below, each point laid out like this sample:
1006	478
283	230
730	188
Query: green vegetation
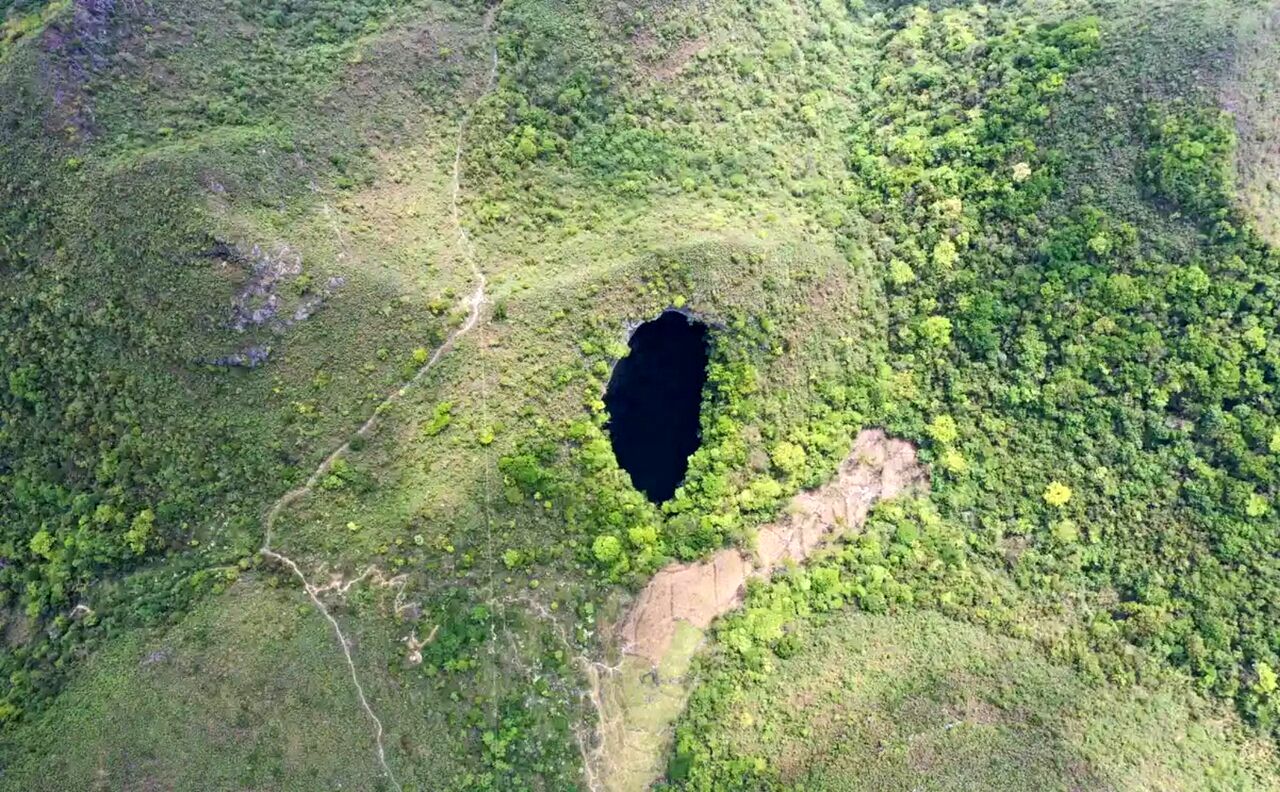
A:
1009	233
119	443
1096	393
195	728
916	701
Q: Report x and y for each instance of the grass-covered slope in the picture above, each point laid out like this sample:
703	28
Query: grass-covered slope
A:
440	498
154	248
917	701
1006	232
242	696
1249	94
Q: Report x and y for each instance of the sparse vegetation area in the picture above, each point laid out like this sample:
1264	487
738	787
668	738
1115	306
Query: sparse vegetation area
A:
231	233
916	701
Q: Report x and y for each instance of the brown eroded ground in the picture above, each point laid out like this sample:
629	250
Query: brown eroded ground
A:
878	467
664	626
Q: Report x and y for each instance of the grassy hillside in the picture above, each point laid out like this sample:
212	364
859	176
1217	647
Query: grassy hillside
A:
432	499
238	237
148	262
1083	376
1249	94
917	701
242	696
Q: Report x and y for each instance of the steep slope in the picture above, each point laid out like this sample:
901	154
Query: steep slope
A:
309	310
1249	95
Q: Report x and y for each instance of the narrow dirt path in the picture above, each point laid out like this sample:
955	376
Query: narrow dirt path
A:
475	309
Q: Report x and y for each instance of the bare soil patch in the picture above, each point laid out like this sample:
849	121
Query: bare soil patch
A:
663	629
878	467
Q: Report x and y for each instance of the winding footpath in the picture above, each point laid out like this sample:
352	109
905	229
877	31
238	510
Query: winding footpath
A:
475	304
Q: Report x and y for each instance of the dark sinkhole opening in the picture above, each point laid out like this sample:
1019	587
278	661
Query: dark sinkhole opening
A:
654	398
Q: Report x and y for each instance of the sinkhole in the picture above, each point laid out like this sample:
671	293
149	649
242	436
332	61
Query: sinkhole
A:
653	398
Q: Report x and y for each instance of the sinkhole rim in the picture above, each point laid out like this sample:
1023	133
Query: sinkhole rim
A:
654	401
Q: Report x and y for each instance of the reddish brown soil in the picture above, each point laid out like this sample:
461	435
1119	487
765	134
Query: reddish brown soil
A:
878	467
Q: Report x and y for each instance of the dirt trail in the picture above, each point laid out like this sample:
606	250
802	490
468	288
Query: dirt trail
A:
475	308
666	623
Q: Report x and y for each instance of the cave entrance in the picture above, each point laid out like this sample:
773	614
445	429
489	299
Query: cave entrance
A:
654	398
